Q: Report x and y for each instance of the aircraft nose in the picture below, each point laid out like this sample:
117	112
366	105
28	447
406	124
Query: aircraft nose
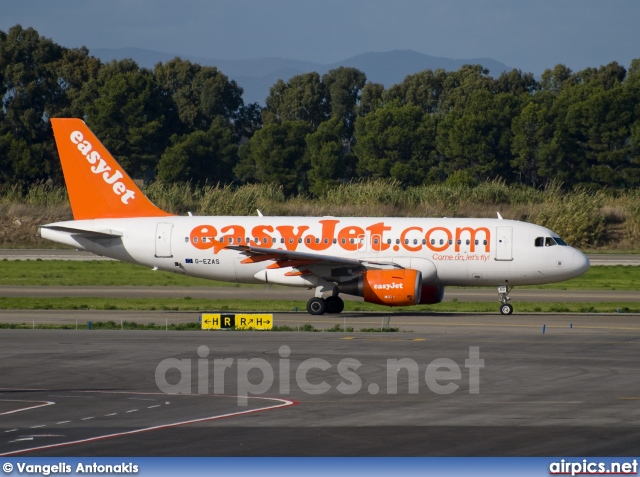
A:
580	262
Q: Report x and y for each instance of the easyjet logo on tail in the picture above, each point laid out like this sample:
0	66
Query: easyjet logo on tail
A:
99	166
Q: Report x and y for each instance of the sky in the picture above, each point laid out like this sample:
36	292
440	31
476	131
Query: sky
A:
531	35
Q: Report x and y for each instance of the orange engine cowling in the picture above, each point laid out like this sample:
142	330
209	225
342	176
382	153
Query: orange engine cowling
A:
431	294
386	287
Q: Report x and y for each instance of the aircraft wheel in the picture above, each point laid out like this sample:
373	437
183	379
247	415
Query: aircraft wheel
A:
316	306
334	304
506	309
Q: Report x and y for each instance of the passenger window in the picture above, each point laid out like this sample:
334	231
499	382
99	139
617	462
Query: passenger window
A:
186	239
195	239
450	242
335	240
476	242
343	241
290	240
441	242
299	240
484	242
433	241
239	240
459	242
389	241
230	240
424	241
352	240
468	242
265	240
326	240
375	241
397	241
281	240
415	241
406	241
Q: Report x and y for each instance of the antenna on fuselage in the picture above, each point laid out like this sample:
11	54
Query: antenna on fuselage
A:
499	216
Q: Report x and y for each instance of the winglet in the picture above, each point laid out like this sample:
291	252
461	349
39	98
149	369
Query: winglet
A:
98	187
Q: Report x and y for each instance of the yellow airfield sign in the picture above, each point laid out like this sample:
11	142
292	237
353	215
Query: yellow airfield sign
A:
238	321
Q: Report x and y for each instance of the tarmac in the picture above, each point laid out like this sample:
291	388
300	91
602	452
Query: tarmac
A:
447	385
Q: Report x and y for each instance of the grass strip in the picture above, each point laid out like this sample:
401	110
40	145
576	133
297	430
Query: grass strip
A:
202	305
111	273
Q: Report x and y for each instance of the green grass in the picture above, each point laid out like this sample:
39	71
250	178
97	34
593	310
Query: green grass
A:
201	305
615	277
111	273
92	273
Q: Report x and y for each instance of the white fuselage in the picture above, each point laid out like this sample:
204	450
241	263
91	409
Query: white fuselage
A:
462	252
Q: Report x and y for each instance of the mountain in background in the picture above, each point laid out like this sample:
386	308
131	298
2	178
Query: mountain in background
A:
257	76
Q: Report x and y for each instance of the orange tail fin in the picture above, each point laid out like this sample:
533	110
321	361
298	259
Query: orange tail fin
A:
98	187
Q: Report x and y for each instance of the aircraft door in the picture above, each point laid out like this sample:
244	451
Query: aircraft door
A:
163	240
504	243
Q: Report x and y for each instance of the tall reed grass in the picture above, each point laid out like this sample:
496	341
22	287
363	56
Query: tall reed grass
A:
583	218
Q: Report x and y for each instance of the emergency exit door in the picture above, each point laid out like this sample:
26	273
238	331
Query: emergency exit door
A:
163	240
504	243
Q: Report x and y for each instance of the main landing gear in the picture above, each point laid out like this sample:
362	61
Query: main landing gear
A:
505	307
320	306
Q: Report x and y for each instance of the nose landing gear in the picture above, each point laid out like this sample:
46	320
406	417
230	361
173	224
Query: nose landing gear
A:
503	293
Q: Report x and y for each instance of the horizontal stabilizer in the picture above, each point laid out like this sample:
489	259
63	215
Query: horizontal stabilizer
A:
90	234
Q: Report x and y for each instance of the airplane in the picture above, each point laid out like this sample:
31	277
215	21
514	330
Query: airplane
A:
391	261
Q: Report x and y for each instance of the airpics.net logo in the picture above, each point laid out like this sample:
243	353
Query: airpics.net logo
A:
257	376
99	166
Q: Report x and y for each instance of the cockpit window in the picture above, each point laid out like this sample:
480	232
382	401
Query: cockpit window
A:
559	241
548	241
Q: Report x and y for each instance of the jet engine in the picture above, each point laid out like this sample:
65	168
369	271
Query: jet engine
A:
431	294
400	287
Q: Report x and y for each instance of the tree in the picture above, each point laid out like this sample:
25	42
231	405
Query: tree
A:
601	128
302	98
198	93
395	141
371	98
535	158
201	156
248	121
37	79
460	86
276	155
553	80
330	159
424	89
478	137
516	82
127	113
343	86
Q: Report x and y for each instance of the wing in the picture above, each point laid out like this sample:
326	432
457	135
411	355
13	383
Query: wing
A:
328	267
